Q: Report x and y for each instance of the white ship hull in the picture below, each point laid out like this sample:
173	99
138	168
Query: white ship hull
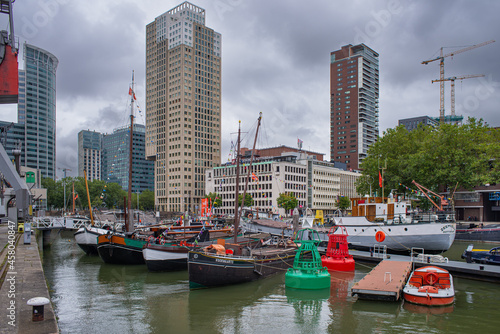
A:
434	237
86	238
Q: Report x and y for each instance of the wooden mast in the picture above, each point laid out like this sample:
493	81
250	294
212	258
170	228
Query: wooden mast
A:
130	217
236	211
88	197
250	165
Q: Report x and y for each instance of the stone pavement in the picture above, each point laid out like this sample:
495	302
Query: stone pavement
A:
21	280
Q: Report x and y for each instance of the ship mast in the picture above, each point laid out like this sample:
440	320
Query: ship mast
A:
236	211
130	217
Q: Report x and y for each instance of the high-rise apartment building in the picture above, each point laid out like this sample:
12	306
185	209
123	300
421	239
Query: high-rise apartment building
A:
115	159
37	110
183	105
89	154
354	93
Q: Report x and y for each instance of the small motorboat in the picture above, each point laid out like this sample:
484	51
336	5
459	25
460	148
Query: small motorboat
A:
430	286
484	256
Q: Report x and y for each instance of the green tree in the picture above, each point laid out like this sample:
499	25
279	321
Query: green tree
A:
343	203
147	200
248	200
287	201
55	196
437	158
215	199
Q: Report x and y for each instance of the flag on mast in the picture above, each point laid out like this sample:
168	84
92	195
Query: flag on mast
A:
131	92
380	180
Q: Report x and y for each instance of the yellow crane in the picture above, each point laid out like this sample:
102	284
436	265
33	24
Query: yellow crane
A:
441	71
452	79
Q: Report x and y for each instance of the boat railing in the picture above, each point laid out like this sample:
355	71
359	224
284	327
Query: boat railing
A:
380	251
58	222
418	255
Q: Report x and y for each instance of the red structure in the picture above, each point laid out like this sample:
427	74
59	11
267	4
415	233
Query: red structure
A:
9	75
337	256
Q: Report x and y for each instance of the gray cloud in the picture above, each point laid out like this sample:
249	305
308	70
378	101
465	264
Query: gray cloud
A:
275	59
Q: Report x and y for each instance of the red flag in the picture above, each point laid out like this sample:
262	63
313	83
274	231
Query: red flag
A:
76	196
254	177
131	92
380	180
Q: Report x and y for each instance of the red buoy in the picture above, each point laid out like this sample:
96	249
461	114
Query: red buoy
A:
337	254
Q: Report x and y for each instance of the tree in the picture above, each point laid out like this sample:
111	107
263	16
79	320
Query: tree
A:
438	158
55	196
248	200
287	201
147	200
343	203
215	199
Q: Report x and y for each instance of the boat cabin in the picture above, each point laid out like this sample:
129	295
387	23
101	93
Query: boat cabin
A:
378	209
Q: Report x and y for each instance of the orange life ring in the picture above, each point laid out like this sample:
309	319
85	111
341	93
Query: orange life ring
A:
431	278
250	216
380	236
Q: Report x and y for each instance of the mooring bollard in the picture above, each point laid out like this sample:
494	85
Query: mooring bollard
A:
38	303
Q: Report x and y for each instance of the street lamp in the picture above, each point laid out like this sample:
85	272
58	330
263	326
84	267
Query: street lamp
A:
370	184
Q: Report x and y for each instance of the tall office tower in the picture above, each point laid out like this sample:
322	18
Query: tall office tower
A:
115	159
353	103
183	105
89	154
37	109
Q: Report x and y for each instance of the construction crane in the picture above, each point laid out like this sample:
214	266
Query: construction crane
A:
452	79
9	75
441	72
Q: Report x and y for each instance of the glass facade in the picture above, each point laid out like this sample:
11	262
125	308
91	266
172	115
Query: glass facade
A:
115	159
37	109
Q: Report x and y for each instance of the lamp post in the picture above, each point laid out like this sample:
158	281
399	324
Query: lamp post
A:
370	184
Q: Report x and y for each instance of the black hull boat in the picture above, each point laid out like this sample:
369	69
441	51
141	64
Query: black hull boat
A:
120	250
208	270
165	257
478	232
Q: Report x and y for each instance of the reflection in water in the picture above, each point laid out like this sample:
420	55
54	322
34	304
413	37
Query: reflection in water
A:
90	296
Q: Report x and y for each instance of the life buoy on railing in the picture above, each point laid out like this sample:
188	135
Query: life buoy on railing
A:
380	236
431	278
250	216
151	239
162	242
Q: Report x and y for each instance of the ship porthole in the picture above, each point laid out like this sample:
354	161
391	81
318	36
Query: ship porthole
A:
362	230
406	229
389	230
195	256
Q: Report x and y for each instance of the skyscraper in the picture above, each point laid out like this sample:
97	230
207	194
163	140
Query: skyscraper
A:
354	92
183	105
37	109
115	159
89	154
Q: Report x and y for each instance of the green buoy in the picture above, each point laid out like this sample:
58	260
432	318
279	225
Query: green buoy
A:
308	272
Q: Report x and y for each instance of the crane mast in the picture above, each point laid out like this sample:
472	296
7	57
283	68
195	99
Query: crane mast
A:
452	79
441	72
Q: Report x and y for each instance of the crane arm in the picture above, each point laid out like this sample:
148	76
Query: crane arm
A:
470	76
425	62
468	48
425	191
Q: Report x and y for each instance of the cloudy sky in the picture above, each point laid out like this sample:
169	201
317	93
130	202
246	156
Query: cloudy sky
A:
275	60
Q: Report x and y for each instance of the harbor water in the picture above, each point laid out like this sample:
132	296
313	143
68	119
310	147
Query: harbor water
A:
90	296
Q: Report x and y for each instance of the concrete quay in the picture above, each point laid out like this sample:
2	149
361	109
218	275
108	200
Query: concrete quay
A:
21	279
